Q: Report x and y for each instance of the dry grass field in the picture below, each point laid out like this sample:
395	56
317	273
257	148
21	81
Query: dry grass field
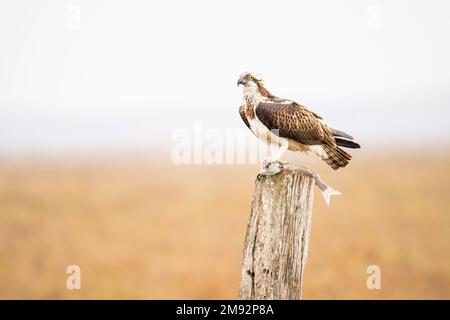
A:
144	228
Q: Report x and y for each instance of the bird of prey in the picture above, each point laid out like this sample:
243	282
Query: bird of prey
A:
290	125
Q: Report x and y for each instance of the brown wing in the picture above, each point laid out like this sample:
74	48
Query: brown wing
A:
293	121
244	118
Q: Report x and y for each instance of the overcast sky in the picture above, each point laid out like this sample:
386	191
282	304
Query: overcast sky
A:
124	74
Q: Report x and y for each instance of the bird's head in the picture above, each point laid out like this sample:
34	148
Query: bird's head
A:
253	83
249	80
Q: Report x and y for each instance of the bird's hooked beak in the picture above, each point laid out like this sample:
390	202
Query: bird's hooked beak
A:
241	81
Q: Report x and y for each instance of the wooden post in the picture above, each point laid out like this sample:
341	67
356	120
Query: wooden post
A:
276	242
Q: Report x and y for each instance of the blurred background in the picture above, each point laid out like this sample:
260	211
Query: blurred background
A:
92	92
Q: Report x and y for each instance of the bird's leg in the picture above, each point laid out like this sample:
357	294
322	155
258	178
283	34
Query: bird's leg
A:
272	165
282	149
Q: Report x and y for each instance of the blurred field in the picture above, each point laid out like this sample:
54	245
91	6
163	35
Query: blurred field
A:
143	228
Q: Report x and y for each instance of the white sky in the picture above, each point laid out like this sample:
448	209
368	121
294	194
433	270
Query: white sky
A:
123	74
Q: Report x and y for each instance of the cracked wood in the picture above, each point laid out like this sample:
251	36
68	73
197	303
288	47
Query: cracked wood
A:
276	242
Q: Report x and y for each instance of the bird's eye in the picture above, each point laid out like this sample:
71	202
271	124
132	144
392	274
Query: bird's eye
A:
249	77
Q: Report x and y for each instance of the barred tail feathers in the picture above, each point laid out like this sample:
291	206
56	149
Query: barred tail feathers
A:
335	157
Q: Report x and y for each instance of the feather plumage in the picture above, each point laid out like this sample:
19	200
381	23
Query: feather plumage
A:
289	120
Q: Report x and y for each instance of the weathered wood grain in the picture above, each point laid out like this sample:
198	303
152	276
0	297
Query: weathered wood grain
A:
276	242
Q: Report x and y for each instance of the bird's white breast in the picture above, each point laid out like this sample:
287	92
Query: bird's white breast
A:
251	99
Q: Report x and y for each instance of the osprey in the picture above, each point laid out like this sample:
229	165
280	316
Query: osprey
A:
291	126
